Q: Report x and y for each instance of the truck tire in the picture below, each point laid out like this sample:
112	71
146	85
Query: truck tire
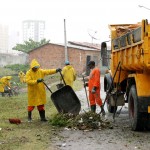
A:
148	122
135	117
111	109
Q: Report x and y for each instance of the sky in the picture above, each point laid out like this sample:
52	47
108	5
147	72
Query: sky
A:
84	18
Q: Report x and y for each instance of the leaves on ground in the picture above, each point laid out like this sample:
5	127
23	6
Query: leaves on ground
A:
84	121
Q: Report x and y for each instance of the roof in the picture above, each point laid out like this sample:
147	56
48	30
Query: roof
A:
86	44
90	45
70	46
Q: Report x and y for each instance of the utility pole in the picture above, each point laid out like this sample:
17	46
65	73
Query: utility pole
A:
65	42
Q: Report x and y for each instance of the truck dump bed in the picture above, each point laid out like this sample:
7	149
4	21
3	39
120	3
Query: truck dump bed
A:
128	79
130	45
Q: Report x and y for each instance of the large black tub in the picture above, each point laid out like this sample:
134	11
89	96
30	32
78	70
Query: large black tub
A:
66	100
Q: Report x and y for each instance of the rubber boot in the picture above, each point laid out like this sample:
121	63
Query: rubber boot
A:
29	116
42	115
102	110
93	108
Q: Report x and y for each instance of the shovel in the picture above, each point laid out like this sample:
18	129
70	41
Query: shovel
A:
65	99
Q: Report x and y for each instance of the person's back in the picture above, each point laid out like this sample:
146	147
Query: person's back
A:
69	74
5	81
1	86
21	75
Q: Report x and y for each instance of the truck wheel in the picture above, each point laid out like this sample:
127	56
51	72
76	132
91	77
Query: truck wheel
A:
111	109
148	122
135	117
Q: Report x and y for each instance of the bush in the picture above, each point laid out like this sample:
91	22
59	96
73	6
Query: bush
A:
13	70
6	72
18	67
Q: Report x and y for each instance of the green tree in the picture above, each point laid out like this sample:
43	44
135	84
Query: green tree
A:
29	45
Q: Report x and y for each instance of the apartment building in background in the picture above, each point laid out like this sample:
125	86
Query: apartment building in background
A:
4	38
33	29
14	38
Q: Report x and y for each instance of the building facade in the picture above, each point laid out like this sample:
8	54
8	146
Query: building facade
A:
33	29
53	56
4	38
13	58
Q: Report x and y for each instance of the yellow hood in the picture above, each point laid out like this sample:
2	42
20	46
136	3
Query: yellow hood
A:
34	63
8	77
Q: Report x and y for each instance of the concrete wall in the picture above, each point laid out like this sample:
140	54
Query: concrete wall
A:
9	59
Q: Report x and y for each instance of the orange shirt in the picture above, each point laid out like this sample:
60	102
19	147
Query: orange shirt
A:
94	79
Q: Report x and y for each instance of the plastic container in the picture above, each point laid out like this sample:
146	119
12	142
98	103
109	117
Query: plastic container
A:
66	100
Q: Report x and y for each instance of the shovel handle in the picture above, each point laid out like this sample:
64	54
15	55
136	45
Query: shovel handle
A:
62	78
47	87
85	92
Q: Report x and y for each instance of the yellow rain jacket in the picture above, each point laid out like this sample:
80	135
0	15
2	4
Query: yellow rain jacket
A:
37	91
69	75
5	81
21	75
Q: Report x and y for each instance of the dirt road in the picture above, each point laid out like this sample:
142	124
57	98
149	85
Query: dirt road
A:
119	138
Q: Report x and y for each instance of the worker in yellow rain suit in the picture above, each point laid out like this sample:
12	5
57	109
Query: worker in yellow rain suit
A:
69	74
21	75
36	89
5	83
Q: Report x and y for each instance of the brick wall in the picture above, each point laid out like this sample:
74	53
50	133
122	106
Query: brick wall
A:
53	56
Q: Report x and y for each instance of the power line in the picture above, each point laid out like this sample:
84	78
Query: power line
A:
141	6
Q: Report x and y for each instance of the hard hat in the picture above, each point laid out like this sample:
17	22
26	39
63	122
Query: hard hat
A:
67	62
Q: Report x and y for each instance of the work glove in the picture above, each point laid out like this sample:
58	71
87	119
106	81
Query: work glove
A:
93	90
86	84
39	80
58	70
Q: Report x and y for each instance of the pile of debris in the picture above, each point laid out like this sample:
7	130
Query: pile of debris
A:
121	30
85	121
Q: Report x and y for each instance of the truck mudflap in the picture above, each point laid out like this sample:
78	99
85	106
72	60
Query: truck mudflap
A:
144	104
148	109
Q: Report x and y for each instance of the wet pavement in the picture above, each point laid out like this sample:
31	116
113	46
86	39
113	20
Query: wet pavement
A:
120	137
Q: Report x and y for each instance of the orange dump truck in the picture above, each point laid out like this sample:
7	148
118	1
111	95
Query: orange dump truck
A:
128	80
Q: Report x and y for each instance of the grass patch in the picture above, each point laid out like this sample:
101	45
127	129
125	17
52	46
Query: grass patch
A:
35	135
78	85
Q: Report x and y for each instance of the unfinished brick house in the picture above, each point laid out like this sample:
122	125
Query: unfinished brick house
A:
53	56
